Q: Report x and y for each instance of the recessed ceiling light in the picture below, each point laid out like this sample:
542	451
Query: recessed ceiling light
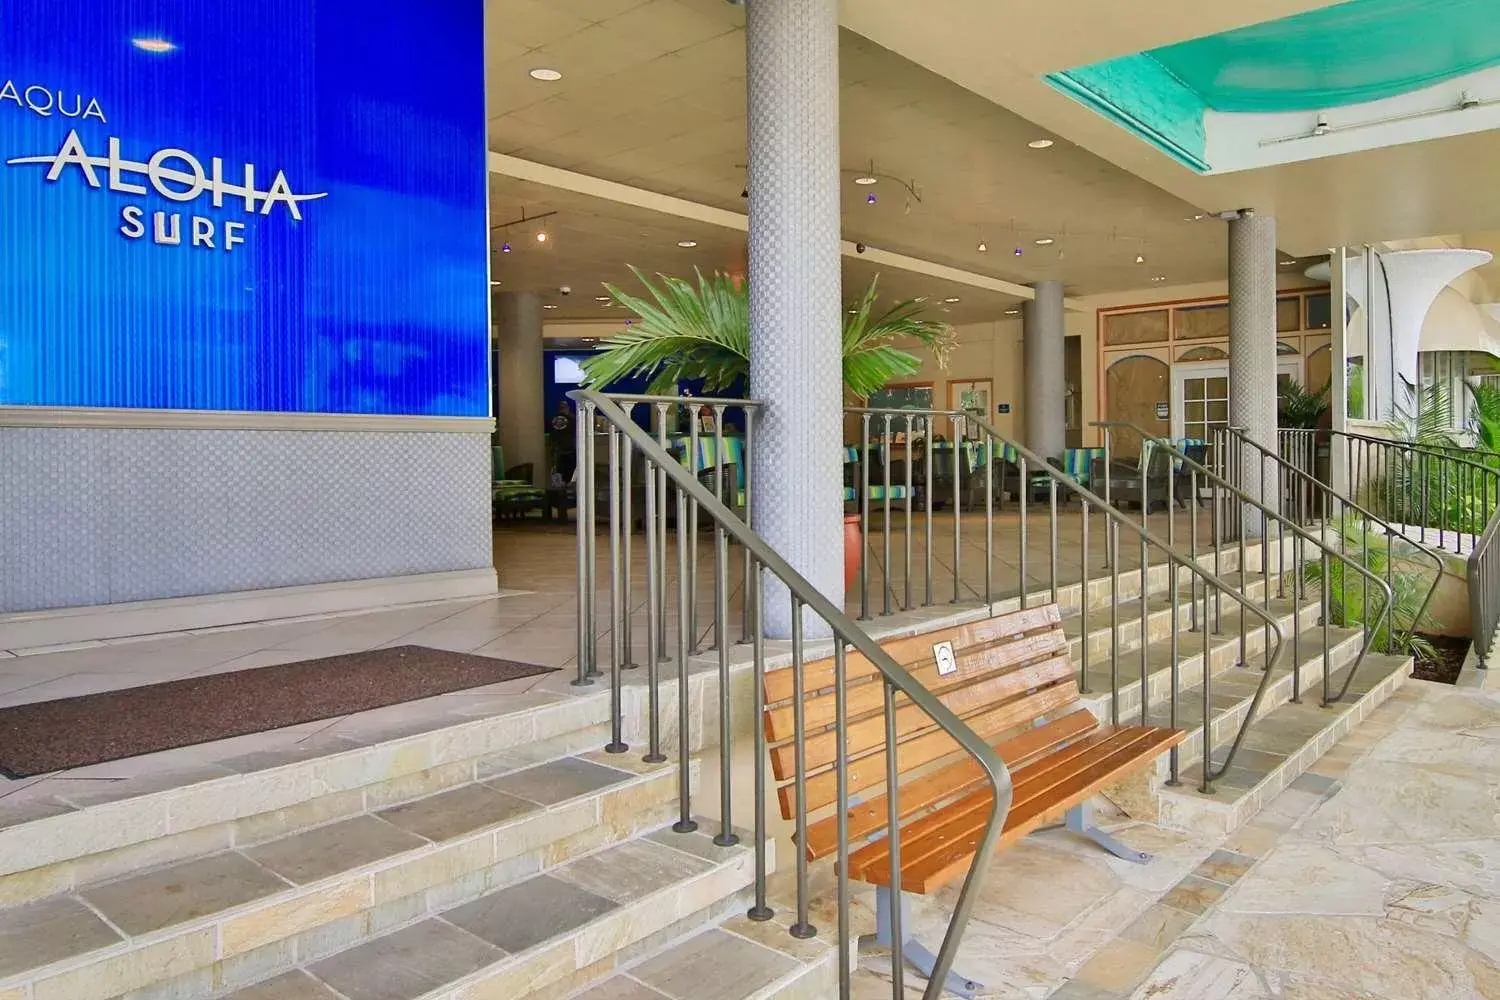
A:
541	237
1159	277
1040	143
1289	263
546	75
867	179
982	247
687	244
601	298
1140	259
153	45
1045	241
951	299
549	305
1012	312
494	282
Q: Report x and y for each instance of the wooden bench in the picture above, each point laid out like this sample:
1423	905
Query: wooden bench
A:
1012	680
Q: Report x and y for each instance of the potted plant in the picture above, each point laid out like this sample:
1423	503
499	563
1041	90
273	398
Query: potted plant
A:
686	331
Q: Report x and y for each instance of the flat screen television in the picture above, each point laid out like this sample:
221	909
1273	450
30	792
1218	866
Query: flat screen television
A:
566	370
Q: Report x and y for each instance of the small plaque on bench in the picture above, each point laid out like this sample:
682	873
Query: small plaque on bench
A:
947	663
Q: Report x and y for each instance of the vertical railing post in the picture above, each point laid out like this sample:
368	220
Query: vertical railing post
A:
617	609
583	507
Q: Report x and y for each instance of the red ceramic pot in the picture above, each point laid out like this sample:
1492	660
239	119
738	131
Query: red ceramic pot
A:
854	549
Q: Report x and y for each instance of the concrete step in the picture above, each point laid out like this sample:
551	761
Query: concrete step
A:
231	916
653	902
1278	748
738	960
91	824
1223	654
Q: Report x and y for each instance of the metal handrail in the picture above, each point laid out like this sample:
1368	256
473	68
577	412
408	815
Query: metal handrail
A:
1120	518
1389	528
896	678
1282	521
1484	589
1463	468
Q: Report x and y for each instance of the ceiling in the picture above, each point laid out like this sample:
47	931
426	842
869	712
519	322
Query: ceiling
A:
1002	51
592	240
653	96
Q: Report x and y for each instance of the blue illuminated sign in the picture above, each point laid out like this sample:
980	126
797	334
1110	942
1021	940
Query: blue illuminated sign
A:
271	206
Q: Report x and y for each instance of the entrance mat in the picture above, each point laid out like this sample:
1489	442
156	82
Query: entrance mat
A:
56	735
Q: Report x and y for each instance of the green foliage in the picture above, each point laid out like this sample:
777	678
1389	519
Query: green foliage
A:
1300	408
1423	417
1356	392
1355	605
687	331
1484	417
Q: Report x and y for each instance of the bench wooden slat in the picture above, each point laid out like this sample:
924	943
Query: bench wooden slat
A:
821	748
869	817
938	868
917	649
927	834
867	695
869	770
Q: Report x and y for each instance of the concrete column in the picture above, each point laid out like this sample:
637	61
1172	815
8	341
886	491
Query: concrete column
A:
796	363
518	380
1252	352
1042	344
1338	368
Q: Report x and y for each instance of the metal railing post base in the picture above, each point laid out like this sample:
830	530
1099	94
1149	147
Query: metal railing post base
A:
684	826
616	747
655	758
912	951
760	914
726	839
803	931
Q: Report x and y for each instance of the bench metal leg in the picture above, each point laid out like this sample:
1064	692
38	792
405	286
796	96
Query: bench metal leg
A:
912	950
1079	821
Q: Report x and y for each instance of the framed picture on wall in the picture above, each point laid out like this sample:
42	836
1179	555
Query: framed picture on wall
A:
971	396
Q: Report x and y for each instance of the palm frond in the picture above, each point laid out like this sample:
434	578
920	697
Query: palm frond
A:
685	330
682	331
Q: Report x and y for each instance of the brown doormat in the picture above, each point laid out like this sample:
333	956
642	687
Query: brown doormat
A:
73	732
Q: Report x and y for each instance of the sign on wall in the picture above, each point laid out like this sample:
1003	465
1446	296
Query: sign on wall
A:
274	206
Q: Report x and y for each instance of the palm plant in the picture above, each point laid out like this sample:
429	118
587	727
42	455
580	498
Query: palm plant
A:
689	331
1300	407
1353	602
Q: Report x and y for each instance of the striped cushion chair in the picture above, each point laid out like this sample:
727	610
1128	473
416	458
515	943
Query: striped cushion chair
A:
1077	462
707	459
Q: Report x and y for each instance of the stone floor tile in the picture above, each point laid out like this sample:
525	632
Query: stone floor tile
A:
631	870
1193	894
714	966
1077	989
1190	975
1224	867
186	891
49	931
329	850
529	913
295	985
405	964
621	988
454	813
1119	965
700	842
1159	927
558	780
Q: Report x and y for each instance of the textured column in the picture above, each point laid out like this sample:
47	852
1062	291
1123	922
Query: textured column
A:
1046	405
1252	352
795	313
519	381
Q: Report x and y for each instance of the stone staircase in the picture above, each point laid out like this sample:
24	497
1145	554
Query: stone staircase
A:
510	857
476	861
